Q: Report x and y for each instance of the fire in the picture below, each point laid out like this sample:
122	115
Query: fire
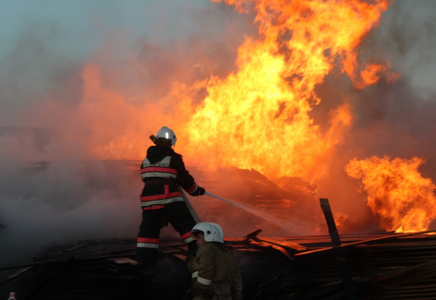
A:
397	192
258	117
372	73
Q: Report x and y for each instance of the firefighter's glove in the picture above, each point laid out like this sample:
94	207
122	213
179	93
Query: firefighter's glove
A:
199	192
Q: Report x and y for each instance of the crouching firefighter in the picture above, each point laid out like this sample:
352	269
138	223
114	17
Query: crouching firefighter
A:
162	171
215	274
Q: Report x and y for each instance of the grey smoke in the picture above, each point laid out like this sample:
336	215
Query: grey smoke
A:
52	191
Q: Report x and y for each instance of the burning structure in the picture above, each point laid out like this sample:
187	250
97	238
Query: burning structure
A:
397	266
313	107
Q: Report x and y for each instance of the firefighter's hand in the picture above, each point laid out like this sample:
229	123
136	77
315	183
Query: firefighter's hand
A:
199	192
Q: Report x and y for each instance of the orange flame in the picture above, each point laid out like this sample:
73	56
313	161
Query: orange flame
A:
259	116
396	192
372	73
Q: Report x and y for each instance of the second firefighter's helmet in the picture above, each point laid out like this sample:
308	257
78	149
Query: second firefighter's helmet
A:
212	232
168	134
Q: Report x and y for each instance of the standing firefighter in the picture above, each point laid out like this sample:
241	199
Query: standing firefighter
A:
162	171
215	274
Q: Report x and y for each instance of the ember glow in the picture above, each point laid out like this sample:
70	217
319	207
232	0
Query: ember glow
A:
259	117
397	192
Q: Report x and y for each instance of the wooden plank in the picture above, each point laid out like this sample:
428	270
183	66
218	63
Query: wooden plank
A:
49	278
16	274
349	288
363	242
333	231
180	256
399	276
285	244
259	243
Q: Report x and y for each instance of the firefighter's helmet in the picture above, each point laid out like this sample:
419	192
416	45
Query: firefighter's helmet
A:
167	133
212	232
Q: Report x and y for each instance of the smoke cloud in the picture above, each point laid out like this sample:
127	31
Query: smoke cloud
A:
62	111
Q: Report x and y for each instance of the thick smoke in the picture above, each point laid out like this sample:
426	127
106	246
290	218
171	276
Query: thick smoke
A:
62	112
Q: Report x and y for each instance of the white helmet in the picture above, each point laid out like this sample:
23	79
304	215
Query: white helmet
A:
212	232
167	133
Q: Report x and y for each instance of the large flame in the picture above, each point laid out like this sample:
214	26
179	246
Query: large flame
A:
259	117
397	192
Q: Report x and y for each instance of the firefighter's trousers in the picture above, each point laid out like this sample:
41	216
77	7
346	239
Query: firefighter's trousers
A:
178	216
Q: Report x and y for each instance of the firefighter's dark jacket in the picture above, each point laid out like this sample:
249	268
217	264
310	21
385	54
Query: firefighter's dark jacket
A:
161	171
214	263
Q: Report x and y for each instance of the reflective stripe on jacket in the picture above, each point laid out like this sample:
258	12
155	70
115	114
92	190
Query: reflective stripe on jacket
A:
161	171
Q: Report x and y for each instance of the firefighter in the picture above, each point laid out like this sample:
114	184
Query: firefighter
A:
162	171
215	274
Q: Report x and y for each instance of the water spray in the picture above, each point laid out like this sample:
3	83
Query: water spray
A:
288	225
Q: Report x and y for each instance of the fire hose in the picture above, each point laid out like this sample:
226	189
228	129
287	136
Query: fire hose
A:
189	205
